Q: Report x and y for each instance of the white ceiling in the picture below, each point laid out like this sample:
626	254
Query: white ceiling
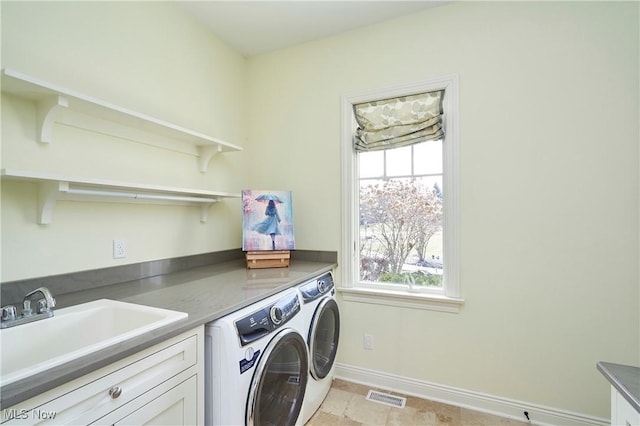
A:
254	27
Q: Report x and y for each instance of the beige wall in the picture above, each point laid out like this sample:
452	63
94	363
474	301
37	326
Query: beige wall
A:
148	57
548	159
548	189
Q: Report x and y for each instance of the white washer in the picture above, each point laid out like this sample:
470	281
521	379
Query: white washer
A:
256	365
322	319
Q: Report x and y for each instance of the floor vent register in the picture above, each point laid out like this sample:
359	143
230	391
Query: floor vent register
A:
385	398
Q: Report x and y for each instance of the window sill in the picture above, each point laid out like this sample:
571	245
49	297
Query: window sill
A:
402	299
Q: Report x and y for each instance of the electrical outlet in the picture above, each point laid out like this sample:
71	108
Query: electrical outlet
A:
119	249
367	342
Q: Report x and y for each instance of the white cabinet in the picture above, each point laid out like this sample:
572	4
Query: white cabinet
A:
160	385
177	406
622	413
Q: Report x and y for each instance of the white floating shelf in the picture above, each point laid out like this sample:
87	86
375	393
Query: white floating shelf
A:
53	188
53	102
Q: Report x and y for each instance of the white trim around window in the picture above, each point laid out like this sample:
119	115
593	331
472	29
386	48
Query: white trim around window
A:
449	300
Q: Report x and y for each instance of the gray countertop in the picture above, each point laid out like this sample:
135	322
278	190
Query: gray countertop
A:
206	293
626	380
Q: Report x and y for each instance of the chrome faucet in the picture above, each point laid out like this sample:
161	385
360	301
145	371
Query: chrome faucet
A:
50	302
44	309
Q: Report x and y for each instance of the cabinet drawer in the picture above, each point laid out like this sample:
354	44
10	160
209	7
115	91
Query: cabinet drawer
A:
95	399
168	404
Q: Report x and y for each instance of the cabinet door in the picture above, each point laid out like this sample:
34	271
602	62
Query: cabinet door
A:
177	406
622	413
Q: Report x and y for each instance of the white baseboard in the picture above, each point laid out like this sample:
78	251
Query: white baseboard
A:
503	407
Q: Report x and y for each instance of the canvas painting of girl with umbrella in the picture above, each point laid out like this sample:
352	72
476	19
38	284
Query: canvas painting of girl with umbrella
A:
267	220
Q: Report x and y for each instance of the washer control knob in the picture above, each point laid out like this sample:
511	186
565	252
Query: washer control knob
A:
322	286
276	315
248	354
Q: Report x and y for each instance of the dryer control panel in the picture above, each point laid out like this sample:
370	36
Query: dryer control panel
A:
265	320
317	287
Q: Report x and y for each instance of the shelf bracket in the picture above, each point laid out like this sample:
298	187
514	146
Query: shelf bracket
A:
204	212
205	154
48	194
47	113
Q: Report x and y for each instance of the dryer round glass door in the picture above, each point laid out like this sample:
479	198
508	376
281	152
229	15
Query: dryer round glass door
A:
279	381
324	335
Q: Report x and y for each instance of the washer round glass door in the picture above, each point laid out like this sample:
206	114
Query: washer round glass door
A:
279	381
323	338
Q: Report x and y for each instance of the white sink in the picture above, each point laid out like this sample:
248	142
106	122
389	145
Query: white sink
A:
73	332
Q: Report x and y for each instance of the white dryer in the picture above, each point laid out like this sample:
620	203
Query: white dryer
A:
256	366
322	319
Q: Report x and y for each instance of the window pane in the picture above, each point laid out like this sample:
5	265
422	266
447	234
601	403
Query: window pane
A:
428	158
432	182
371	164
401	231
399	161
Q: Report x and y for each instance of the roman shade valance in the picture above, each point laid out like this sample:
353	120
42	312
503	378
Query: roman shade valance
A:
401	121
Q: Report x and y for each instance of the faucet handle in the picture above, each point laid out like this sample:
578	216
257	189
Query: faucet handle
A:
26	308
9	313
43	307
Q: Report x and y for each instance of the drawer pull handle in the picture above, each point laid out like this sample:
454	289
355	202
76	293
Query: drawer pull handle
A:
115	392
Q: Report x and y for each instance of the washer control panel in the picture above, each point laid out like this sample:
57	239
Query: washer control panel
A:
317	287
264	321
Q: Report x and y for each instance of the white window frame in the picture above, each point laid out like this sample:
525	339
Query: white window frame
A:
449	299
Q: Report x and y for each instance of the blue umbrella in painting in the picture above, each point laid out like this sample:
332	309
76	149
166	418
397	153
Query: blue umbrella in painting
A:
269	197
270	225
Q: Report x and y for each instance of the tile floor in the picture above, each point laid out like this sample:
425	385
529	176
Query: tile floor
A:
346	404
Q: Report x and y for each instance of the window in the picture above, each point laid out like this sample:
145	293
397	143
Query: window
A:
400	220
